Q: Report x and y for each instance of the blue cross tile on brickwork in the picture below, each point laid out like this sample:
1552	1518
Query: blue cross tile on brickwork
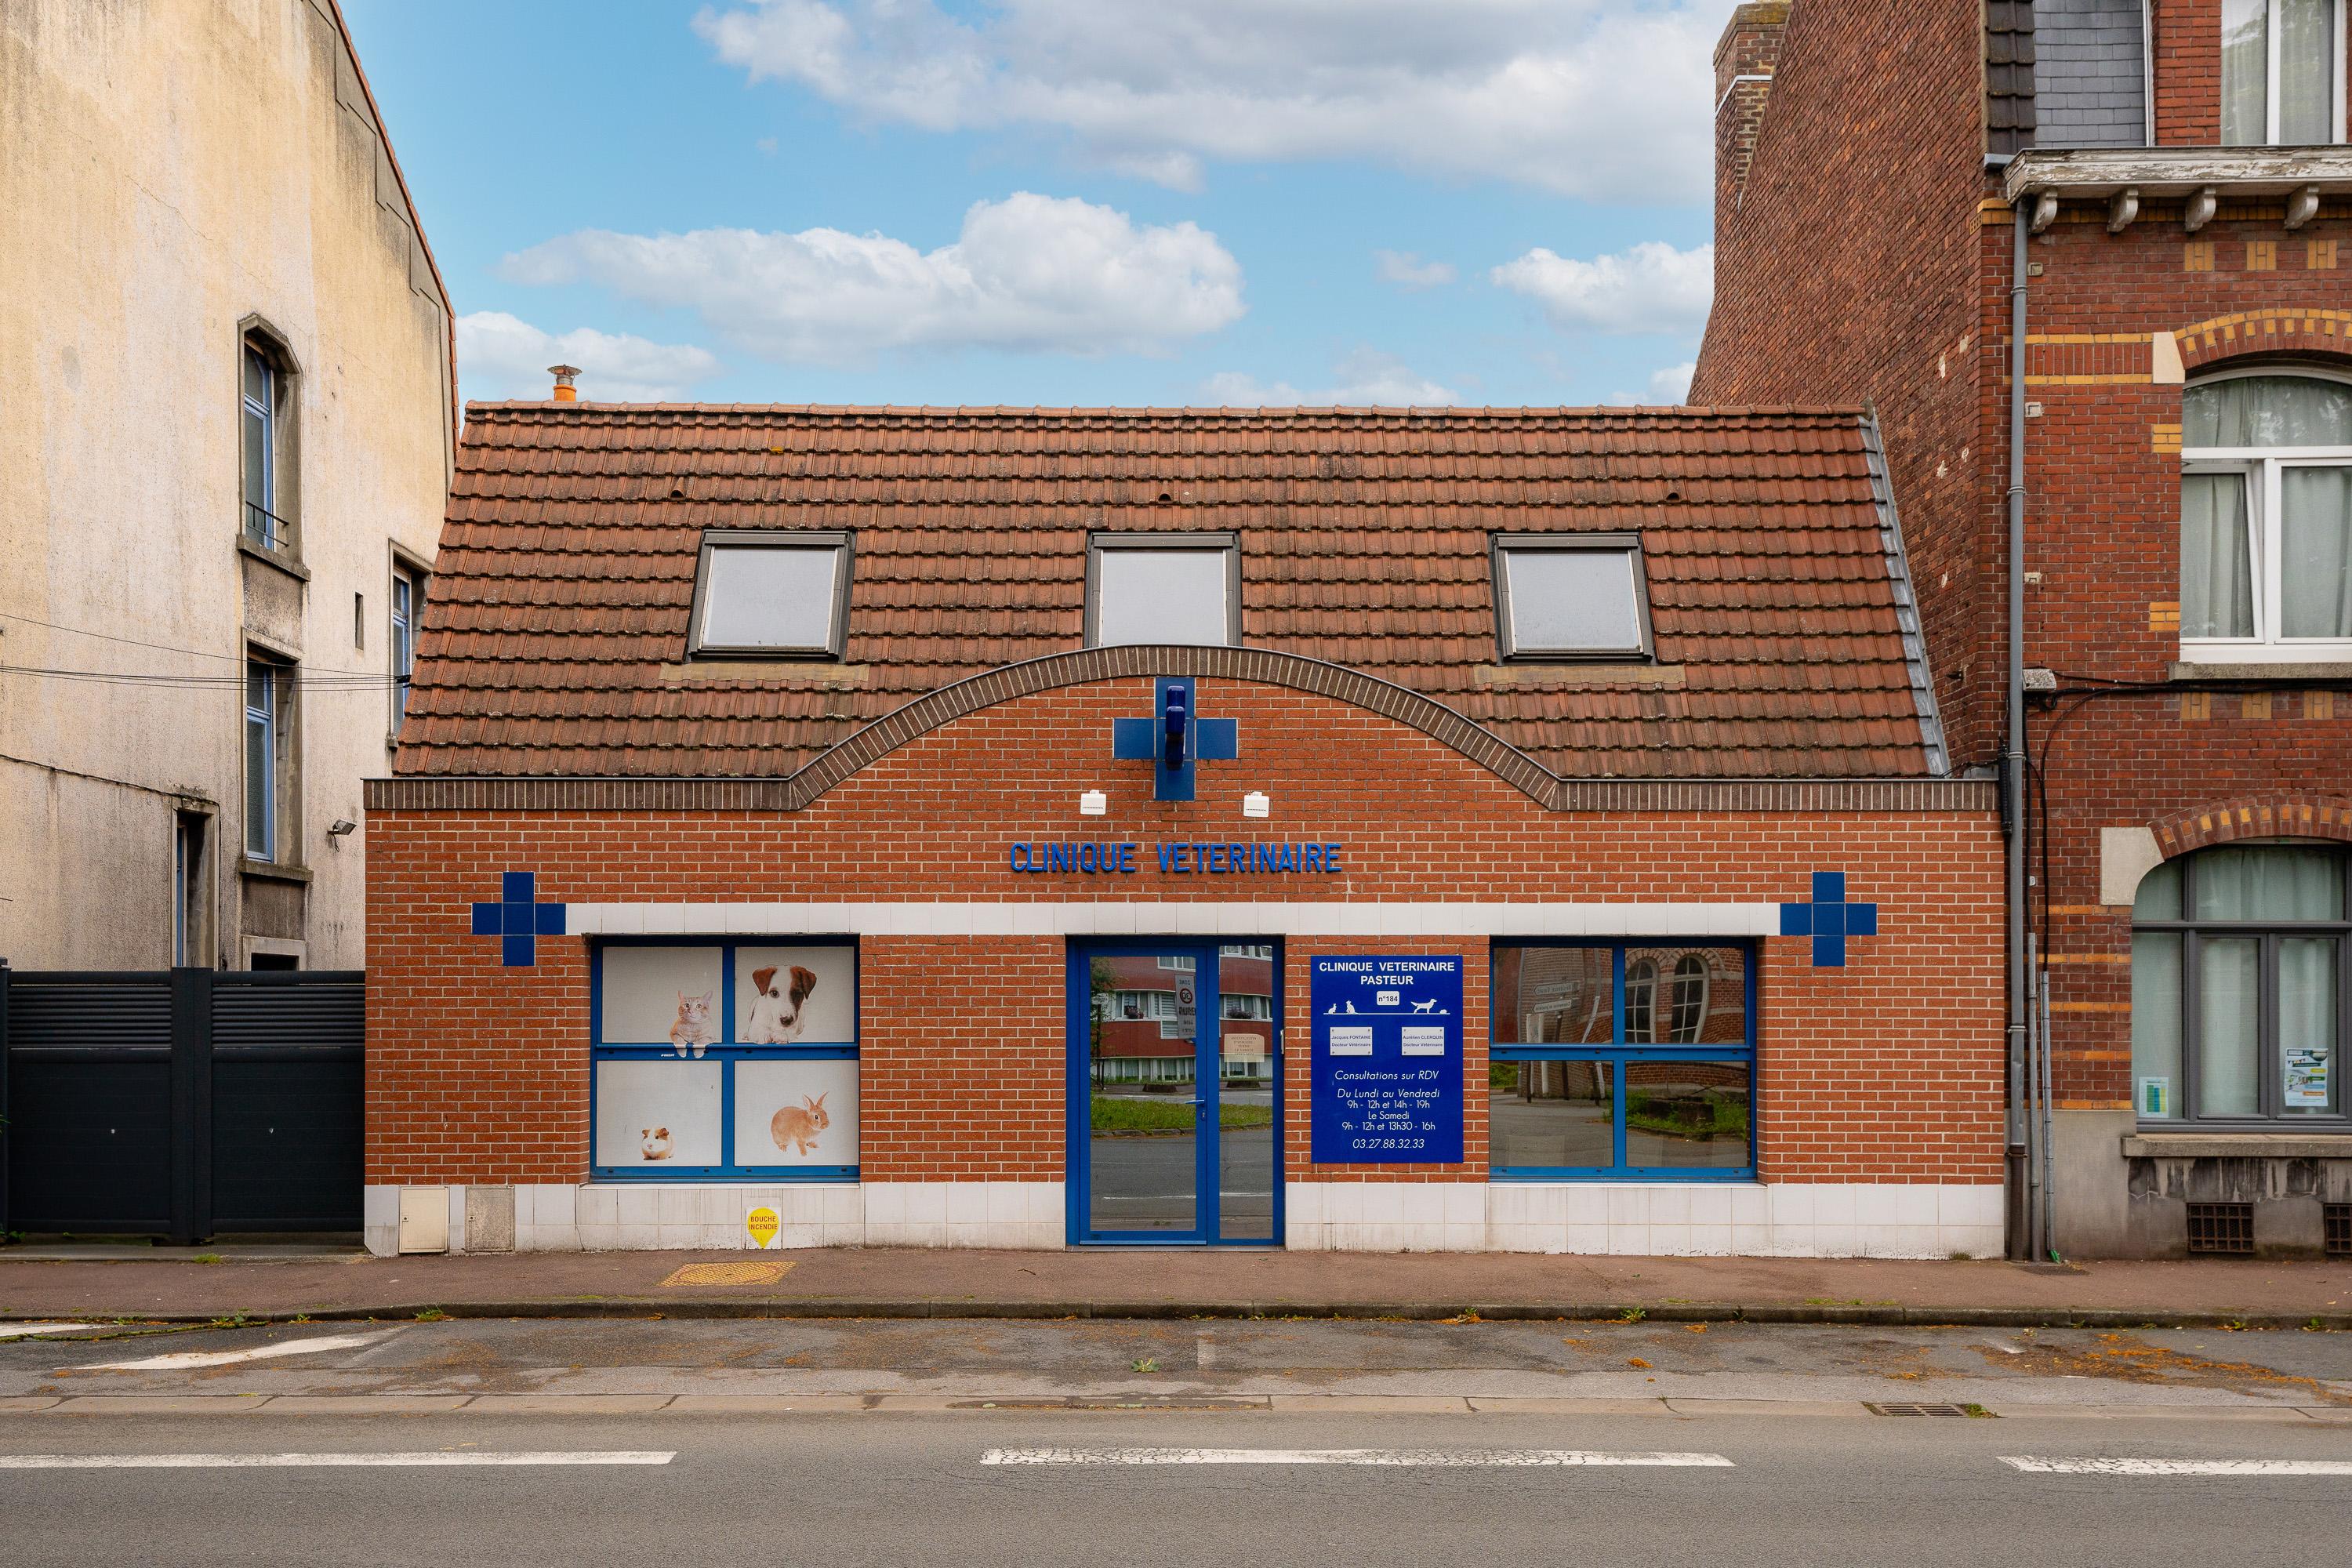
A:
517	921
1175	737
1829	919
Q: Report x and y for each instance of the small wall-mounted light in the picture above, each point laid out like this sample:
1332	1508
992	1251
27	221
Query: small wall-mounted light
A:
341	827
1093	803
1255	804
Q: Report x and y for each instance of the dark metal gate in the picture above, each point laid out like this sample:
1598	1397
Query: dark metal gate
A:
181	1102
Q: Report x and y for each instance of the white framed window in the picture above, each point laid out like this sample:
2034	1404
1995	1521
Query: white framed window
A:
262	750
2281	72
408	605
2267	519
1181	588
769	593
1570	597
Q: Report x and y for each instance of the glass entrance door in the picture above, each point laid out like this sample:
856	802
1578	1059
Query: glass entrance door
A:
1175	1093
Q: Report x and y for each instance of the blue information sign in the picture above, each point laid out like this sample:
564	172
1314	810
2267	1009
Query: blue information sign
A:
1387	1071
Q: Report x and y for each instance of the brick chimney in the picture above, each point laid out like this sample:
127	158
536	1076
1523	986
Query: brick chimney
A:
567	377
1745	59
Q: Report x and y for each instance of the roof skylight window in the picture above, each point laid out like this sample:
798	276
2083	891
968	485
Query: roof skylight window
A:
767	594
1570	597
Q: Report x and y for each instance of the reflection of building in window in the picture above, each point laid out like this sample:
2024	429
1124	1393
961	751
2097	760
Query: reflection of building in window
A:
1640	999
1690	999
1574	1093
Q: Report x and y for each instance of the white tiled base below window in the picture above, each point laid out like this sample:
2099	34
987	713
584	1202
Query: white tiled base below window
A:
1651	1219
644	1217
1683	1219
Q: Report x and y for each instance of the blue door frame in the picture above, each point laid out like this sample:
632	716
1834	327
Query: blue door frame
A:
1208	1076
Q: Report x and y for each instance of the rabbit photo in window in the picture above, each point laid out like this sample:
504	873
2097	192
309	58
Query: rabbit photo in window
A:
798	1125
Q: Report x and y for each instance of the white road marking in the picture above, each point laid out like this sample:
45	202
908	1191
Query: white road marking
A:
19	1331
1437	1458
321	1461
184	1360
2099	1467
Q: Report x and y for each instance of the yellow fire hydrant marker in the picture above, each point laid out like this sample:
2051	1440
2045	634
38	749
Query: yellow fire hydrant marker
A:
727	1274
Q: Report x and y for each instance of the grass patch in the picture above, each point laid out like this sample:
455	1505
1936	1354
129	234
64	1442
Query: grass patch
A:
1117	1116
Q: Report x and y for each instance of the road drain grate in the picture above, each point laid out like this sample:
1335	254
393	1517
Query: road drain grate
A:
1916	1409
1080	1401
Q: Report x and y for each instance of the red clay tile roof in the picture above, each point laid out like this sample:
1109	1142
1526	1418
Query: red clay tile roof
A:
555	630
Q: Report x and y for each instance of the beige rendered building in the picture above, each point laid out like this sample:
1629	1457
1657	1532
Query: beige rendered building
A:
227	416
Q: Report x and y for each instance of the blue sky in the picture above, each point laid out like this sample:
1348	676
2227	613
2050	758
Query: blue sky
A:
1053	201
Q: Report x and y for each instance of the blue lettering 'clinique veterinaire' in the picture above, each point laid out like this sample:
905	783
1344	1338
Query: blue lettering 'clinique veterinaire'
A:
1179	859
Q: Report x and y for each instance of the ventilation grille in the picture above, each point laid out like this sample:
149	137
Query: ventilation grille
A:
2224	1230
2339	1230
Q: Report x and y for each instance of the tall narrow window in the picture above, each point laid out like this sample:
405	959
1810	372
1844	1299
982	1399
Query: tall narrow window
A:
1182	588
407	599
2266	520
190	880
2281	72
260	760
260	449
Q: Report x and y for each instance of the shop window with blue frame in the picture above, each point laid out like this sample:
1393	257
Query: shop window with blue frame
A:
725	1059
1623	1060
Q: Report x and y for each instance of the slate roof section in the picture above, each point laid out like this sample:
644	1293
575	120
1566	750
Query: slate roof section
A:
2064	74
2008	75
554	637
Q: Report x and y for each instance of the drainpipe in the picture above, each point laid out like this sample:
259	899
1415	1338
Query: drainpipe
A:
2024	1170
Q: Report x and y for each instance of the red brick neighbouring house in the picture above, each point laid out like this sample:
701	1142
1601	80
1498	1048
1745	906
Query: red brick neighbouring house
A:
1322	828
2181	174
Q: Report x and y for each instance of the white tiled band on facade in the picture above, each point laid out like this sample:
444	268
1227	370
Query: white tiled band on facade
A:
1203	919
1656	1219
630	1217
1670	1219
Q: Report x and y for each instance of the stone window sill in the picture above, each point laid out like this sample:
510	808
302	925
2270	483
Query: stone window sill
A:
2277	674
271	871
2239	1145
284	563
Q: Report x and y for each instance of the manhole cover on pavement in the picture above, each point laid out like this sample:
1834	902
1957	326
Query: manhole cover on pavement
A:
727	1274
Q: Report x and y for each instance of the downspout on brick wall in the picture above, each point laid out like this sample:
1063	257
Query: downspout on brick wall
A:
2025	1171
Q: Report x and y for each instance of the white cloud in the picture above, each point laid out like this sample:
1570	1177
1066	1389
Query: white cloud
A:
1668	388
1672	385
1406	270
1597	98
499	355
1367	378
1653	288
1031	273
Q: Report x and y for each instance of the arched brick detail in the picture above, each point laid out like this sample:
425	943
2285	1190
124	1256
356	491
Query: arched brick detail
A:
2207	344
2255	816
1262	666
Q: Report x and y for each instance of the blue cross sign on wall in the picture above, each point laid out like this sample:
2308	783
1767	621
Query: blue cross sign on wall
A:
1829	919
1174	737
517	920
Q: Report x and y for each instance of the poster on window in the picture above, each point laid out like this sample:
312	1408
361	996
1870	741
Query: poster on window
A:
660	996
657	1115
795	996
796	1111
2307	1077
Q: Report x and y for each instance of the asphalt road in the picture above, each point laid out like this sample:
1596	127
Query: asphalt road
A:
871	1489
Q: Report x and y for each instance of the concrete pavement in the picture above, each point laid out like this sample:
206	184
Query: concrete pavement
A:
1124	1283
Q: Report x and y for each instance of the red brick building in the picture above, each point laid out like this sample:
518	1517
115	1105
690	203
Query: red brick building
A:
1322	828
2165	192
